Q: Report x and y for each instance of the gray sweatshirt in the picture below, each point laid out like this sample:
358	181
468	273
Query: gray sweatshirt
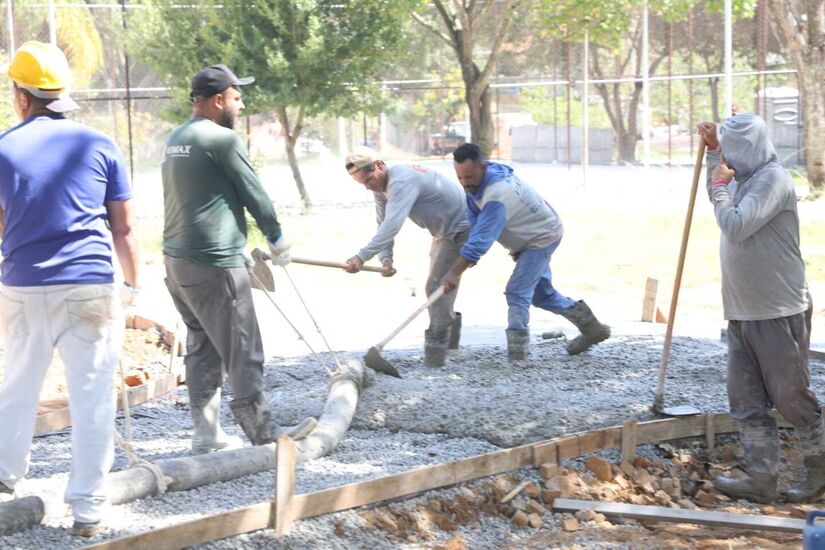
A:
763	275
428	198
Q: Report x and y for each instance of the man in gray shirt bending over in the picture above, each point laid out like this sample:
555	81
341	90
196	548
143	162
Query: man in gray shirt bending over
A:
767	305
432	202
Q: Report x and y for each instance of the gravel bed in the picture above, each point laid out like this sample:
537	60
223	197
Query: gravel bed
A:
479	403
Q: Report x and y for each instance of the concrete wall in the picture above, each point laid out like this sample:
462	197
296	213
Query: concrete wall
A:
545	143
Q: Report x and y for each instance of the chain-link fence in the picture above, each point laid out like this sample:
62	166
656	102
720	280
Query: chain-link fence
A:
550	101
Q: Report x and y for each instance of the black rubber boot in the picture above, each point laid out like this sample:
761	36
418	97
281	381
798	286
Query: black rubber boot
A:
760	441
455	331
255	417
812	441
592	331
435	346
755	487
518	344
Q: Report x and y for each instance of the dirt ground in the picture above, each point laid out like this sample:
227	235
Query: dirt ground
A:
675	475
145	355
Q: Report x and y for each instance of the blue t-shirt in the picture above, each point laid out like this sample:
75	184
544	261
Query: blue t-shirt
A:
55	178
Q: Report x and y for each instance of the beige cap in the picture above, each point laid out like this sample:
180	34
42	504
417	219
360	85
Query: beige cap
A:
362	156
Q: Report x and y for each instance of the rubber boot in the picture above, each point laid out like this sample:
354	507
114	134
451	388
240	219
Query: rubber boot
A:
255	417
592	331
812	441
455	331
207	435
435	346
760	441
518	344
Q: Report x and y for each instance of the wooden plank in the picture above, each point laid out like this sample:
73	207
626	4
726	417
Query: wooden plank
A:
568	446
282	515
252	518
675	515
544	452
649	304
629	440
710	434
197	531
61	419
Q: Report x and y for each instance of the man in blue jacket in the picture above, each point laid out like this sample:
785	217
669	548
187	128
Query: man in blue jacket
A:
503	208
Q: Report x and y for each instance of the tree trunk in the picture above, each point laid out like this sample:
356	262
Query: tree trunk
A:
812	97
481	119
290	139
626	146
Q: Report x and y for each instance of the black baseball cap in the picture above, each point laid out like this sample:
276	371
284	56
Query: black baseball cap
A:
214	80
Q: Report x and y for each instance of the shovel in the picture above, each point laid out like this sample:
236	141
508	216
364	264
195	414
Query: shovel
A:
373	357
339	265
658	406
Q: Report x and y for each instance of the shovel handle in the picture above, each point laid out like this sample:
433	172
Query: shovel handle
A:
430	301
339	265
697	171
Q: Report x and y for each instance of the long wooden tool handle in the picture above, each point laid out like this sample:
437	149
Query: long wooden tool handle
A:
430	301
697	172
339	265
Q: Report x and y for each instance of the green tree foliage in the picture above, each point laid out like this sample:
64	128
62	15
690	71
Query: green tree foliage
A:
467	27
308	56
614	31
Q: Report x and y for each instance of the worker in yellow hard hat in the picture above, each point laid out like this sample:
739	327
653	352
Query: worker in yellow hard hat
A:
42	70
66	201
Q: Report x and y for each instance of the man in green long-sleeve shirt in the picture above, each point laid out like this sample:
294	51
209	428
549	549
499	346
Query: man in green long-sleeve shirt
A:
208	182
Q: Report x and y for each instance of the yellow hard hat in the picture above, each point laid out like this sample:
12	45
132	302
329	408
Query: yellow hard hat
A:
40	65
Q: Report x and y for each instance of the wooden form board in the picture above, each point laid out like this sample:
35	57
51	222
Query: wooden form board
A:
282	508
61	418
353	495
649	304
675	515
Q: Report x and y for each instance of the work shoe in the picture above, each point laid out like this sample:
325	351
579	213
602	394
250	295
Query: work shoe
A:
207	434
6	492
455	332
435	346
83	529
756	487
518	344
592	331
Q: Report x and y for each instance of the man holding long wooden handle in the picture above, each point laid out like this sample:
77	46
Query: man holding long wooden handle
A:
767	305
431	201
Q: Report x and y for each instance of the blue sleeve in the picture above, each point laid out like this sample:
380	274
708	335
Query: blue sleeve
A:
117	184
485	231
472	211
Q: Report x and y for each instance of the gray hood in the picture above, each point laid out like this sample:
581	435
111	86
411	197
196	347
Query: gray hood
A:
745	144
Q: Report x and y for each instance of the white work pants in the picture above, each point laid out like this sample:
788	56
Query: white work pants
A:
85	324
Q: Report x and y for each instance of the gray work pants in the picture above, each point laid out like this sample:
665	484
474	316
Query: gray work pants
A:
222	330
443	254
768	365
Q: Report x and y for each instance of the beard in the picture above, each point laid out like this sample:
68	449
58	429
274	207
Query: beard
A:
228	120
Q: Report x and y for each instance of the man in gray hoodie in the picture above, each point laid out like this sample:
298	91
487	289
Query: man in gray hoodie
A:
767	305
431	201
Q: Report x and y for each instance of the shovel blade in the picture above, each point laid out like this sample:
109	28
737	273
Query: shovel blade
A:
263	274
377	363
